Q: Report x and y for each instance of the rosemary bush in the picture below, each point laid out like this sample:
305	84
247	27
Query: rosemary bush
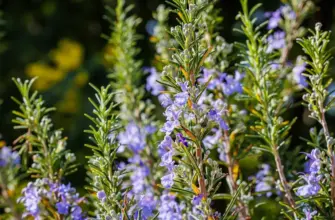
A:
179	139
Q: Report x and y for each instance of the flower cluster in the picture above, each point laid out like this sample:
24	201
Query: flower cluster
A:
60	198
312	177
9	157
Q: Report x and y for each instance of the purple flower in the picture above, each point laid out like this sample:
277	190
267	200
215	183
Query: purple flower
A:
150	129
298	77
138	178
309	213
215	116
133	138
274	19
76	213
165	100
182	139
63	208
169	209
7	156
169	126
264	180
101	195
167	161
165	145
207	74
312	178
231	84
276	41
148	205
61	196
211	140
152	85
181	98
197	199
167	180
172	113
31	200
311	188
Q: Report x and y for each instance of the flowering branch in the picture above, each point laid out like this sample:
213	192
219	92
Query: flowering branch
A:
316	47
265	89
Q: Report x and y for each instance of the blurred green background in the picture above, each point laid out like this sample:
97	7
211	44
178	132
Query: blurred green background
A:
60	41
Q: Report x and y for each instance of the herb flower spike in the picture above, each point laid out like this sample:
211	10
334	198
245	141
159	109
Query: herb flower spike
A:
187	121
316	47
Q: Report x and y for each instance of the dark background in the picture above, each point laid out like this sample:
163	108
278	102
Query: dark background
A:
34	27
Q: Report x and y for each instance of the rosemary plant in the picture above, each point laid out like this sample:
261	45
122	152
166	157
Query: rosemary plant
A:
319	100
105	178
190	172
266	91
138	139
50	159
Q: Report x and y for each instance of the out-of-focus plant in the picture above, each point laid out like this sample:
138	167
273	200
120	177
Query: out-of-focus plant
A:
9	181
265	89
46	148
161	37
137	139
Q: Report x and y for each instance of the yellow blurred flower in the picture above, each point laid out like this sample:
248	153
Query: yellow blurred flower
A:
81	79
47	76
2	144
68	56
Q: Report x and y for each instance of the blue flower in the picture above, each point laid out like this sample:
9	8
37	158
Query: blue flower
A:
197	199
101	195
274	18
182	97
133	138
165	145
165	100
231	84
152	85
169	126
167	180
207	74
167	160
9	157
211	140
309	213
77	213
182	139
276	41
214	115
312	178
298	77
147	204
264	180
31	200
63	208
168	208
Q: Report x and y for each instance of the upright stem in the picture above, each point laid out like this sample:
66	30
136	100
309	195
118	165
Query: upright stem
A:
201	180
330	154
280	170
233	185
